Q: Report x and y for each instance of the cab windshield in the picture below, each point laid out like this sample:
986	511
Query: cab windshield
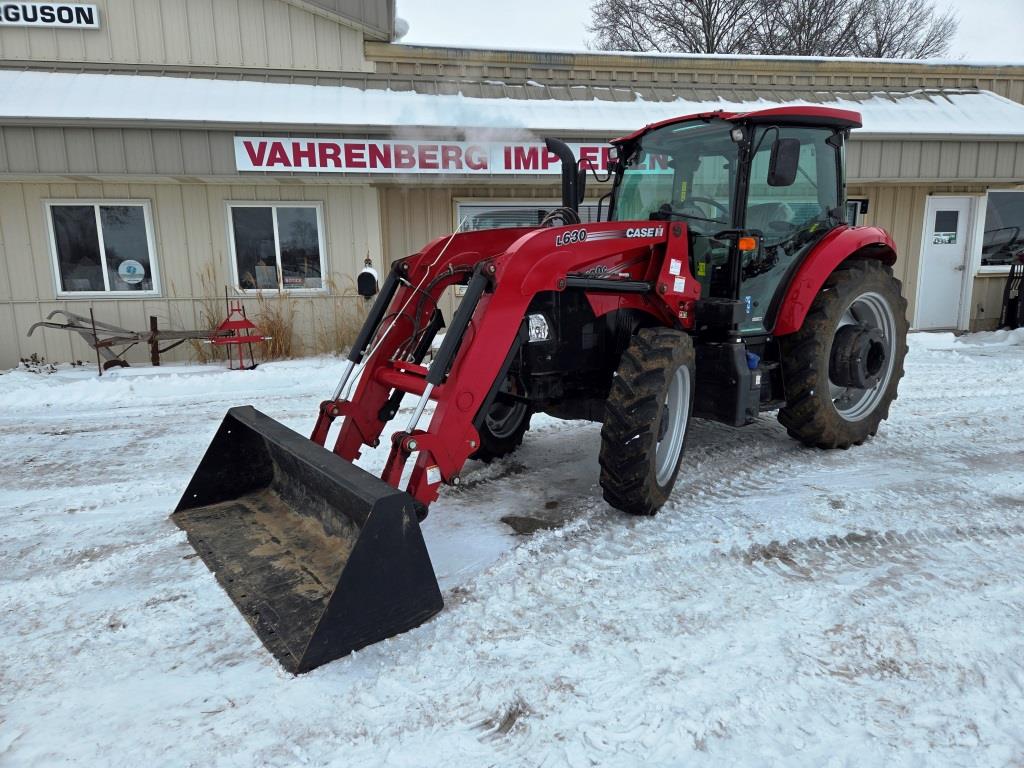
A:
685	171
691	172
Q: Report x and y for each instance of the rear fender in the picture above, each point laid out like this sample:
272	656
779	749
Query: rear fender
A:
836	247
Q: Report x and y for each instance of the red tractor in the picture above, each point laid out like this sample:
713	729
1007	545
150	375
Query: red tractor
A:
721	280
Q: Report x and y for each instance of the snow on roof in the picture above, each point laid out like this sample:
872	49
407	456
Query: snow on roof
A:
26	96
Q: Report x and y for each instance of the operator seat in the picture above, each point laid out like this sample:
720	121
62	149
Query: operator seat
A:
761	216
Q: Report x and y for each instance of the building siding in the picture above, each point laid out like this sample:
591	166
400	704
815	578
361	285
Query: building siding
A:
392	221
196	33
211	155
900	210
191	240
375	17
901	161
987	302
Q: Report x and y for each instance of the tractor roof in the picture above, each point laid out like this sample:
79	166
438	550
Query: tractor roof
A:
829	117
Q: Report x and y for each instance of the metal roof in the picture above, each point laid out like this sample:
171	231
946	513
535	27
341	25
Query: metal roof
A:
583	56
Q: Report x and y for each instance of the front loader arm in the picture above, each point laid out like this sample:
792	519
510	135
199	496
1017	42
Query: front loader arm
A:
502	282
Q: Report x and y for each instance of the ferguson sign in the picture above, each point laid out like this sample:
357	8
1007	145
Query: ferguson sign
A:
64	15
404	157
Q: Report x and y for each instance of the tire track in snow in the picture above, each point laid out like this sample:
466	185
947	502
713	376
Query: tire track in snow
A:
900	572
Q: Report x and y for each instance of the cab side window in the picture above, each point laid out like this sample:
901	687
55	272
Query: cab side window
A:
791	218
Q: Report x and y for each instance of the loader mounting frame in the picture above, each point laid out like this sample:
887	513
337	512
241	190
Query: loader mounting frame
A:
476	347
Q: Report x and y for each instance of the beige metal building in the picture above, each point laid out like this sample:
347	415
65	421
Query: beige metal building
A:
153	152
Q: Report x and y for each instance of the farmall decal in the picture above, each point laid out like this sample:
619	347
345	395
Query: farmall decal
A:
64	15
404	157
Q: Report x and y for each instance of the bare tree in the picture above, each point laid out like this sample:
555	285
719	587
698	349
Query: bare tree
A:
810	27
623	25
875	28
693	26
906	29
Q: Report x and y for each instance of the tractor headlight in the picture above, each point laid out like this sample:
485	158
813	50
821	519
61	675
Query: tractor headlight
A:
539	329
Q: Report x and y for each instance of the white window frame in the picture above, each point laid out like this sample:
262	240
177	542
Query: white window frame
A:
860	200
96	204
513	202
979	238
274	205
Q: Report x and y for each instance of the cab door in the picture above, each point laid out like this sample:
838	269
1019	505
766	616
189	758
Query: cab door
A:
790	219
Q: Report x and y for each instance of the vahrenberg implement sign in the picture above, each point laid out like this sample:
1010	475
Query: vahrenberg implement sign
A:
404	157
64	15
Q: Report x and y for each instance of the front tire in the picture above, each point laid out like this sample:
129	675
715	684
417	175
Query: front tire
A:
646	418
843	367
504	425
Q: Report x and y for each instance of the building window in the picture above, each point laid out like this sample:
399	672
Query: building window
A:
1003	239
102	247
477	215
277	247
856	209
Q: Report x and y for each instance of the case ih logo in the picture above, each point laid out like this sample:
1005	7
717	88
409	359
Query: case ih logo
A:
404	157
645	232
66	15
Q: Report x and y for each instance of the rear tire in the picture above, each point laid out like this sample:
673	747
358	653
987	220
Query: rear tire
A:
646	419
819	410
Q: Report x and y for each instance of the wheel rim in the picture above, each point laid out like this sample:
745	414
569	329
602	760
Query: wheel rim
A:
503	418
675	409
871	311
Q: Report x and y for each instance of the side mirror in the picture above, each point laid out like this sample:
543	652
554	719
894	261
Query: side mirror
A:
785	160
616	162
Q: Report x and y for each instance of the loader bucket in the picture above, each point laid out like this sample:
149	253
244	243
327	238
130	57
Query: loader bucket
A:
321	557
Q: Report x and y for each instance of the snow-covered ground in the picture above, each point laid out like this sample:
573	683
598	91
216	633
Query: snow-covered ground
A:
788	607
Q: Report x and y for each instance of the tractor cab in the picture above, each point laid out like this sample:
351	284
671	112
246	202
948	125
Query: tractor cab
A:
756	191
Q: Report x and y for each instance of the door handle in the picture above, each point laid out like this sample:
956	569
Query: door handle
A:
960	268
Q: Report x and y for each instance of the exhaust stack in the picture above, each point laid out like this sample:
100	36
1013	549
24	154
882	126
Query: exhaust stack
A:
570	173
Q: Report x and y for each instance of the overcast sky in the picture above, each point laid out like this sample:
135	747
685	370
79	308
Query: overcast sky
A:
990	30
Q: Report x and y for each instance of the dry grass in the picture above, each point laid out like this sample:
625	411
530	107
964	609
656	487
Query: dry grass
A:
275	317
212	312
339	319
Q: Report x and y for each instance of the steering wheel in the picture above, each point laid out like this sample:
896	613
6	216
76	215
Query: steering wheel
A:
710	201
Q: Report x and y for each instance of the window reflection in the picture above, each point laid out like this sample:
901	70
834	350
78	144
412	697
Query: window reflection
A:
277	247
1003	240
102	248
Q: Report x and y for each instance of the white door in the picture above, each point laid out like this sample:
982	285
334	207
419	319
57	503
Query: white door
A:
943	262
